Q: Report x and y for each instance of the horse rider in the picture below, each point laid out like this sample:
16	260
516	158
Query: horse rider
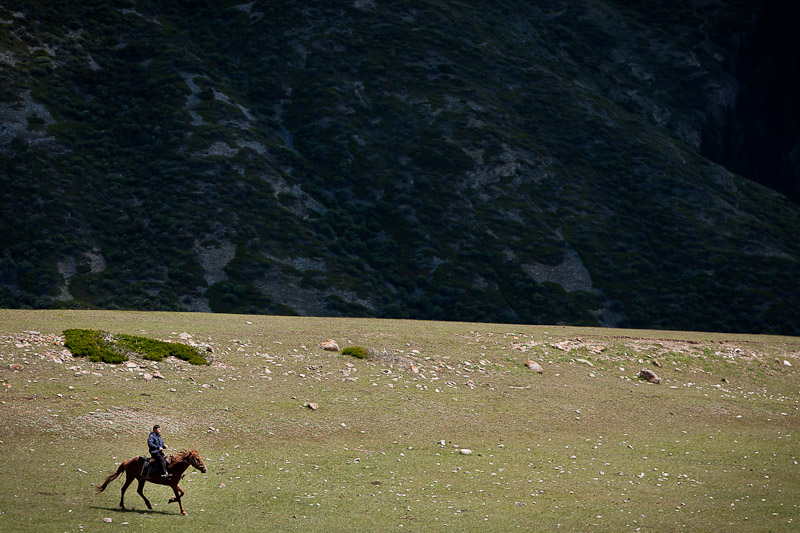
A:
157	447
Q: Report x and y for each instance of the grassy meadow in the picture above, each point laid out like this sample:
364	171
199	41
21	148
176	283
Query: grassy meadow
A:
444	429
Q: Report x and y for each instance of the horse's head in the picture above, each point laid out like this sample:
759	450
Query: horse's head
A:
196	461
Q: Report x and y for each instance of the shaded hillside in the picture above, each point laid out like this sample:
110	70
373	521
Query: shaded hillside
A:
442	160
762	134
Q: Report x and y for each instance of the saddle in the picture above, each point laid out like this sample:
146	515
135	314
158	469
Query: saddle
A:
151	467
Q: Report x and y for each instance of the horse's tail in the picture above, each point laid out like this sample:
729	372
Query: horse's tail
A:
111	477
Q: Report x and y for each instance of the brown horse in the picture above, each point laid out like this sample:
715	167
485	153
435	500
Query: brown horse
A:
133	470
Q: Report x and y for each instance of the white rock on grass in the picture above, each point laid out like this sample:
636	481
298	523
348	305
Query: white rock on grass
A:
465	451
329	345
533	365
648	375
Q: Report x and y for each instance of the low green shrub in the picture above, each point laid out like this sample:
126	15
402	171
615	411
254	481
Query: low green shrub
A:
101	346
155	350
92	344
355	351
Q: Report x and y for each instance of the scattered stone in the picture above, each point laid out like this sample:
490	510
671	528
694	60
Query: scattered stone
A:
147	376
584	361
533	365
330	345
158	375
648	375
465	451
107	520
313	406
15	367
656	363
786	363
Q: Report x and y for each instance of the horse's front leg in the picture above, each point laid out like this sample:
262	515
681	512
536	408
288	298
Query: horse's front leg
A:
140	489
178	494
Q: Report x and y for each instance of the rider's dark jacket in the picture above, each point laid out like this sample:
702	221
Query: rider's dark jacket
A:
155	443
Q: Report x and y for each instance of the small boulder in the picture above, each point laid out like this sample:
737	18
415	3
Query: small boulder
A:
533	365
648	375
15	367
656	363
329	345
313	406
465	451
158	375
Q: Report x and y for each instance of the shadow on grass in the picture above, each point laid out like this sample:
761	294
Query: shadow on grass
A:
134	510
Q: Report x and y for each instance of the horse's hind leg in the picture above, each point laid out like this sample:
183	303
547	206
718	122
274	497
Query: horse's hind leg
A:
128	481
139	490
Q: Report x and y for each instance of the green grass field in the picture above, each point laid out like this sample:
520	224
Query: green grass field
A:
584	445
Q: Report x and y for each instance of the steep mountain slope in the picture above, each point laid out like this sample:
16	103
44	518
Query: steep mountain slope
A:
446	160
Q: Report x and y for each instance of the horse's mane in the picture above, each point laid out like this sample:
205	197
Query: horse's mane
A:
183	455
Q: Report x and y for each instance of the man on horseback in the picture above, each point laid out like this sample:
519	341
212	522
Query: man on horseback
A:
157	446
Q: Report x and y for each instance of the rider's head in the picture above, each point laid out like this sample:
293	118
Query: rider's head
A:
156	429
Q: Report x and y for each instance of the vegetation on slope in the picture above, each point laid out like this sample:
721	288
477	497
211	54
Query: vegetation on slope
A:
425	161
